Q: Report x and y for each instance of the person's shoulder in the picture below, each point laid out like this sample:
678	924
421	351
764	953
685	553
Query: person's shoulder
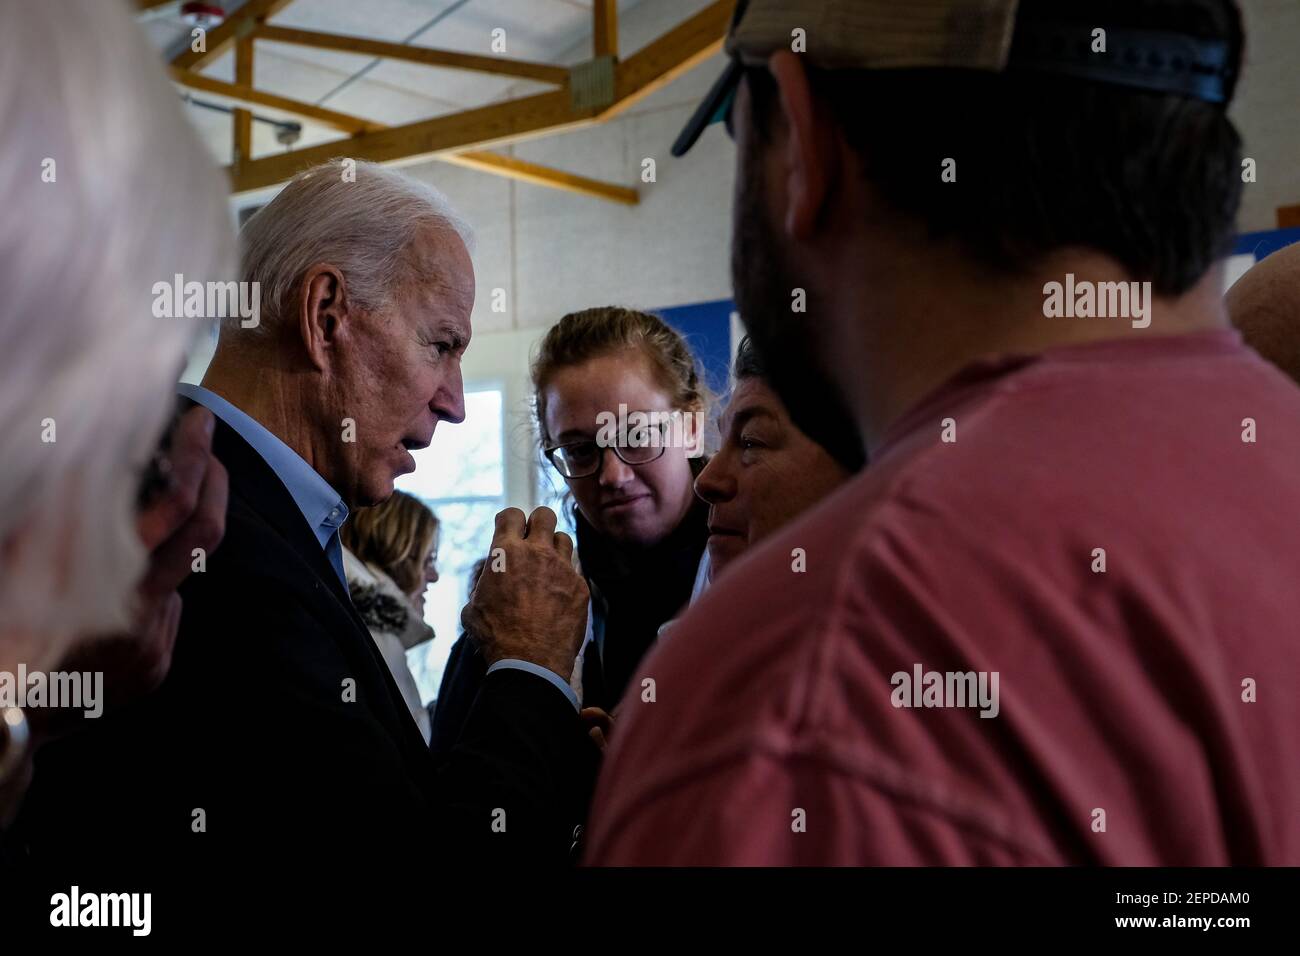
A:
786	625
257	585
748	641
750	670
790	583
253	546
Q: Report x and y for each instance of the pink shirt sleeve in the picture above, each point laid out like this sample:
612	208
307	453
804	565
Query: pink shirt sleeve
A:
746	814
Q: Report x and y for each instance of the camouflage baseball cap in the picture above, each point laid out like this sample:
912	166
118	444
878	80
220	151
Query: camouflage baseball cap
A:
985	35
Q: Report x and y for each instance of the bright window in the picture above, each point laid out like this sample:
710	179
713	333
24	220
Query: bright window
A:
461	476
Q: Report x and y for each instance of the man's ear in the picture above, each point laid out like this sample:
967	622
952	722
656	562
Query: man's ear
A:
323	309
810	157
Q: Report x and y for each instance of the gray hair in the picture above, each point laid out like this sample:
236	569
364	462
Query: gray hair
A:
355	215
107	191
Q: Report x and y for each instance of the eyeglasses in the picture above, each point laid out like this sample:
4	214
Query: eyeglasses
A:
582	459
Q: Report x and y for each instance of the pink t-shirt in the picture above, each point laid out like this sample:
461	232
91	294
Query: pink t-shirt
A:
1098	575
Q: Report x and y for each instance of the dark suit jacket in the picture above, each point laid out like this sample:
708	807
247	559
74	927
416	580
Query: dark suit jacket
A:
632	594
281	723
461	680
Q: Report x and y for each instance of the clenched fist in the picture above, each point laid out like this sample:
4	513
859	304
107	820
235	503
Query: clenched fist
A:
530	604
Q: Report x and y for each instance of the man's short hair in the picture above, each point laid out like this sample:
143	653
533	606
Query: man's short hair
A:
358	216
1045	162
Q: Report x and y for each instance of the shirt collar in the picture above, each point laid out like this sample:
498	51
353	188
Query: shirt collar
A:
319	503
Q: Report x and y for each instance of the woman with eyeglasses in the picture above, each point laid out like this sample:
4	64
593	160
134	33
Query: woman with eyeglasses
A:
620	406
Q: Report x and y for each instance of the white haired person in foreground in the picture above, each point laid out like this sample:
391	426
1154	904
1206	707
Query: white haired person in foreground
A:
105	191
280	725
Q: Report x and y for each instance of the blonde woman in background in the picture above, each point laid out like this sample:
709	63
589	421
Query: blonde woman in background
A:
390	555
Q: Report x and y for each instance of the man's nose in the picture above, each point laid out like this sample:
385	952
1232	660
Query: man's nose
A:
448	402
715	484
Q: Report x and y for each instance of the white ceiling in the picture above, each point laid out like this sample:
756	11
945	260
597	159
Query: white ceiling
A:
388	91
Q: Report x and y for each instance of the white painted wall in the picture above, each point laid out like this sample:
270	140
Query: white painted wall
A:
1267	109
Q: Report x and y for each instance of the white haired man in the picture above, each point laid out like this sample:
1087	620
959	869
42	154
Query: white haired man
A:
280	724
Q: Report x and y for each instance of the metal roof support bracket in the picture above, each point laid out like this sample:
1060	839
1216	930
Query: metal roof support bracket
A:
591	84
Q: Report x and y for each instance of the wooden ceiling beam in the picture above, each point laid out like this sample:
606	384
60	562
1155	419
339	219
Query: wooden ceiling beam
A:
487	162
635	78
605	28
242	141
428	56
678	51
527	172
427	139
246	94
219	39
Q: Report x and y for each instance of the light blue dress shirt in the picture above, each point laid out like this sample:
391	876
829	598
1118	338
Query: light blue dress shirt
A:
319	503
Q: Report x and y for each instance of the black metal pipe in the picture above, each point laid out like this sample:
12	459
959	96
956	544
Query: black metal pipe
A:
279	124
